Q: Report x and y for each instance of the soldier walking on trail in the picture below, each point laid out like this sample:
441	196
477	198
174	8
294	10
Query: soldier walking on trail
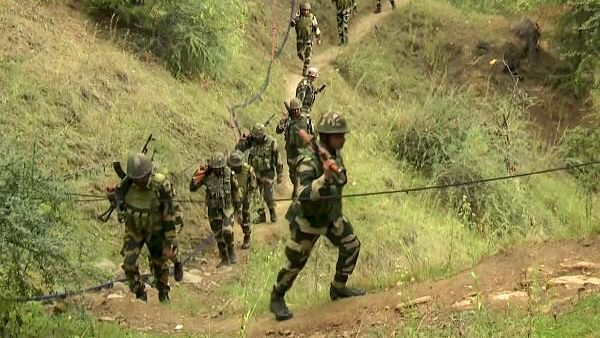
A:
307	28
246	179
316	212
264	158
344	12
222	200
306	91
151	215
378	6
290	126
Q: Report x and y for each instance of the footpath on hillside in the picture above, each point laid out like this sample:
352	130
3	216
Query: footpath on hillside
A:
563	269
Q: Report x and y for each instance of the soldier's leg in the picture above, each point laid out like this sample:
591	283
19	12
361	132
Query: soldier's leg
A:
246	222
340	25
297	251
378	7
300	49
292	172
393	3
307	57
216	225
227	230
262	216
342	236
132	246
345	20
159	265
269	198
177	265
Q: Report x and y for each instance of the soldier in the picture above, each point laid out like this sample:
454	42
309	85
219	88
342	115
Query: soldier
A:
293	142
378	6
222	200
316	212
307	28
344	11
246	179
306	91
150	214
264	158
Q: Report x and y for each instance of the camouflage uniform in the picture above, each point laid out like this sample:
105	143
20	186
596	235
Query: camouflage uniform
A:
264	158
150	215
316	212
378	5
290	126
222	200
307	28
344	11
306	91
246	179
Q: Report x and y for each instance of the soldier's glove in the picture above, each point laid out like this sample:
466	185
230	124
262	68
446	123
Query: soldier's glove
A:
111	195
333	173
199	175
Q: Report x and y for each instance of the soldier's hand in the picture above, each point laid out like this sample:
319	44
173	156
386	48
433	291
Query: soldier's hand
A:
168	252
318	40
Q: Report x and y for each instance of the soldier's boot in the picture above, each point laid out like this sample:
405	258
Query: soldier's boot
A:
278	306
262	216
223	253
393	3
178	271
140	292
378	8
336	293
273	215
163	292
231	255
246	230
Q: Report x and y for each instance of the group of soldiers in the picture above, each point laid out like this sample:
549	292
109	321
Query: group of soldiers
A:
307	27
145	199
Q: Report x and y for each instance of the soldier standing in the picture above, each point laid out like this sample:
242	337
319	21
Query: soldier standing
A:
222	200
290	126
307	28
264	158
306	91
150	215
344	11
316	212
378	6
246	179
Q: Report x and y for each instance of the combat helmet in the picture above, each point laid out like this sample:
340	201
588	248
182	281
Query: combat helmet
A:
138	166
258	130
217	160
236	159
305	5
332	122
312	72
295	104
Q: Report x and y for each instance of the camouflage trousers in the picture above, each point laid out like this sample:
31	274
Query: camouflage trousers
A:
343	17
245	224
222	229
291	161
133	242
378	5
304	50
265	186
302	241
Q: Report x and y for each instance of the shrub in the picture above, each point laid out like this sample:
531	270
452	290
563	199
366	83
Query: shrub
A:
581	145
192	37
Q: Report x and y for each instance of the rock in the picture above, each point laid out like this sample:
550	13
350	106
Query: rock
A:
115	296
107	319
575	282
118	286
505	296
414	302
178	327
580	265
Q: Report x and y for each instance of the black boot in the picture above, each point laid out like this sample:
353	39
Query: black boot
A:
223	253
344	292
273	215
278	306
140	291
262	216
378	8
163	297
178	271
393	3
246	244
232	256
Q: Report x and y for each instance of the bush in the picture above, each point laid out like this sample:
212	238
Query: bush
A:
35	228
581	145
192	37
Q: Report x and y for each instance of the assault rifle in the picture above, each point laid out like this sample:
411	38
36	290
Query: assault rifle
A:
329	165
116	196
320	89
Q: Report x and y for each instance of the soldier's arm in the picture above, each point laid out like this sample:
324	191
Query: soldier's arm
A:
277	159
198	178
252	179
294	20
236	196
171	212
312	184
316	29
244	144
281	126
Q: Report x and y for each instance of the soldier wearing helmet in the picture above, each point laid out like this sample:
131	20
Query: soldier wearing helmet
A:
264	157
307	28
318	211
151	215
378	6
345	8
289	126
306	91
222	201
246	179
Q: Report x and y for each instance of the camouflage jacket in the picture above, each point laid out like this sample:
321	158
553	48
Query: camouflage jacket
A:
289	127
152	207
307	27
307	94
344	4
222	193
246	180
263	156
318	203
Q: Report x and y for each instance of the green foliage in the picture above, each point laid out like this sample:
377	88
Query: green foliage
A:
192	37
507	6
579	35
581	145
